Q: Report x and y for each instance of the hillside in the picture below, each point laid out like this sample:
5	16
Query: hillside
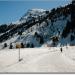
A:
40	27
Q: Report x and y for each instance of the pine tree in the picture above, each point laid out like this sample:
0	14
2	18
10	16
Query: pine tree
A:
28	45
72	37
41	40
5	45
32	46
22	45
11	46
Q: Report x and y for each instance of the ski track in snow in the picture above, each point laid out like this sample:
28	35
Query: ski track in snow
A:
38	60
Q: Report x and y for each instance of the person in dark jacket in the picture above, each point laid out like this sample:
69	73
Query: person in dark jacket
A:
61	49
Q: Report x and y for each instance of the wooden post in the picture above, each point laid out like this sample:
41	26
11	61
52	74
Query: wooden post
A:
19	54
20	33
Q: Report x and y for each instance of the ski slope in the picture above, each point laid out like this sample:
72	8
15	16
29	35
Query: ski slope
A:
48	59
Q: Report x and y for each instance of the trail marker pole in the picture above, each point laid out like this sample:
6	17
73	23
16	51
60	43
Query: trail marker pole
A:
19	55
20	59
20	33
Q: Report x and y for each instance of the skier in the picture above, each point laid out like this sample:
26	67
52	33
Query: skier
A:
61	49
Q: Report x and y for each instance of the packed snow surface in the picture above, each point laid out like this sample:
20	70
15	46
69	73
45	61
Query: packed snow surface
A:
44	59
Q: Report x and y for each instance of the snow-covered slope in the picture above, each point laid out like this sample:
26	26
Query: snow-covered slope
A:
38	60
32	13
40	27
44	30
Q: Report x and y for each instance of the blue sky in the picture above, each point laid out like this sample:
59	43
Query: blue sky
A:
11	11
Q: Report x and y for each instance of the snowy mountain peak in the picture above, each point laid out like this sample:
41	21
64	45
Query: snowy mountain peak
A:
32	13
38	10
